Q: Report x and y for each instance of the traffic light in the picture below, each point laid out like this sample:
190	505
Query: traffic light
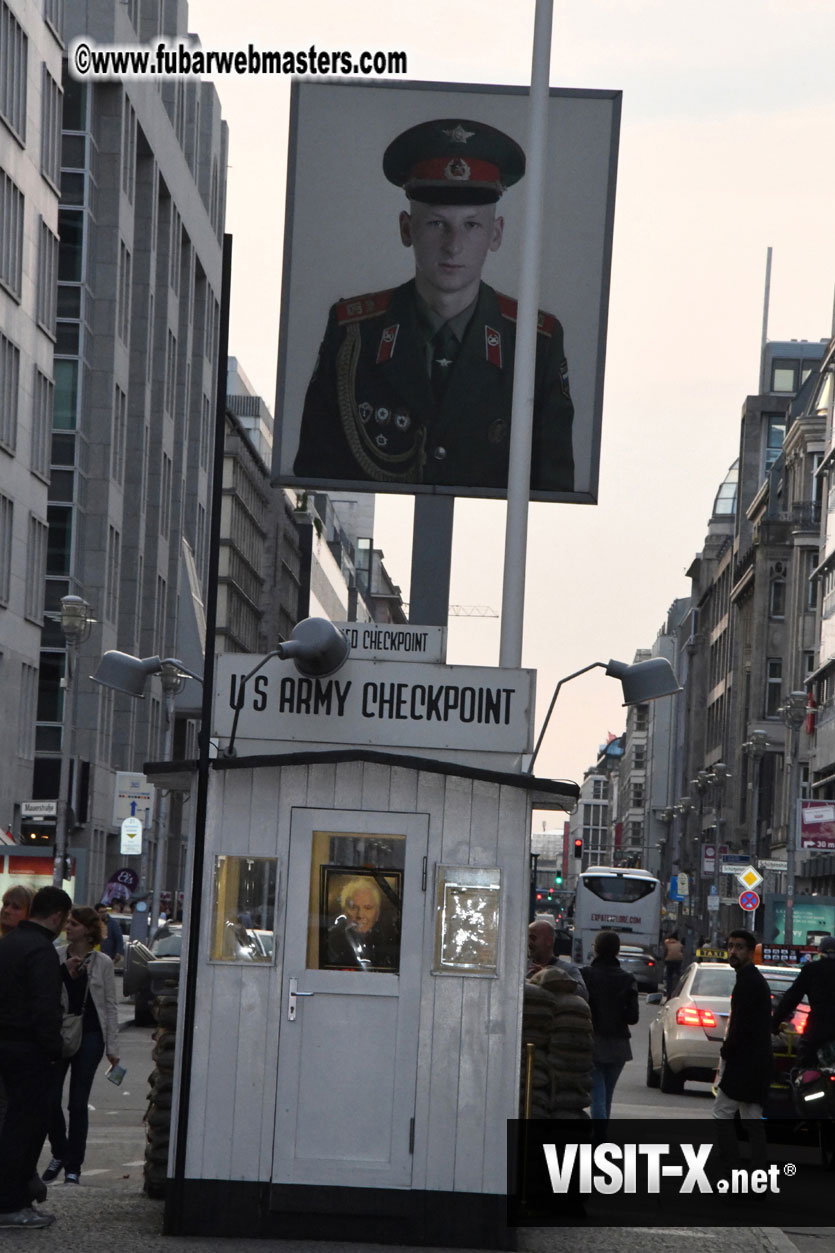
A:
578	847
558	879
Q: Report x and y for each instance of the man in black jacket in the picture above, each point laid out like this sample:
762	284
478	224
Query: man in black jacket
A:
746	1051
816	982
30	1042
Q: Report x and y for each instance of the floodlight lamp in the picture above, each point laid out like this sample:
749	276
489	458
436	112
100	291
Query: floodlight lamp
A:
125	673
316	647
645	680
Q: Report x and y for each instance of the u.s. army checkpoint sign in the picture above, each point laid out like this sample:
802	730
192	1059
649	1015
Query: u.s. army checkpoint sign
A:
383	704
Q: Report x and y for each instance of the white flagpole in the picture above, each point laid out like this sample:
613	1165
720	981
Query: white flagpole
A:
519	468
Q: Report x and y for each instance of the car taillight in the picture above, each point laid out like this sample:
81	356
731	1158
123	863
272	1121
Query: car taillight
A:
692	1016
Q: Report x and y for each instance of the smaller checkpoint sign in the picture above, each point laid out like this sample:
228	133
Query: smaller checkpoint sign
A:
749	900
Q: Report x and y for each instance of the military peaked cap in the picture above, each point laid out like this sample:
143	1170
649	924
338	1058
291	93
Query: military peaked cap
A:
453	161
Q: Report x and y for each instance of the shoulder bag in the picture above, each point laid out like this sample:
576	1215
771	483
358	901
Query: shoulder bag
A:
72	1025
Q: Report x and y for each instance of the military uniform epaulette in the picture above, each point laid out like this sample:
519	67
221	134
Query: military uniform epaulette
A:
507	305
358	308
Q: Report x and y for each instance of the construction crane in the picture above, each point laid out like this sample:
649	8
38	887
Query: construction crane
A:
466	611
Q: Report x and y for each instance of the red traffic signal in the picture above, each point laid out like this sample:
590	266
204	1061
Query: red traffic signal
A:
578	848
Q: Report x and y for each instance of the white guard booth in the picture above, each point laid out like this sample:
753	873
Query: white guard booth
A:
356	1046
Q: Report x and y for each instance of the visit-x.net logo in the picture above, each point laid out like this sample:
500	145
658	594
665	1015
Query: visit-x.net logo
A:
662	1172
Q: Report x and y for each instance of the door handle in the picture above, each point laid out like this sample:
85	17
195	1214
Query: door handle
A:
291	999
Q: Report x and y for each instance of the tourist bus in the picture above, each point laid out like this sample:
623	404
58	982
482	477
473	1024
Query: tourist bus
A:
616	898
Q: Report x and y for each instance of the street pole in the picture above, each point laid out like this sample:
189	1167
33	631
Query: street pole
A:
794	714
755	748
717	776
75	624
172	681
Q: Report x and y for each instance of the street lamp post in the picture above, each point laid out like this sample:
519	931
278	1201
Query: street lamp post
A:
755	747
686	862
794	714
700	785
75	624
717	777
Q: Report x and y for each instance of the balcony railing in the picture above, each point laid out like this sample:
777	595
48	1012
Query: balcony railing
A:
806	516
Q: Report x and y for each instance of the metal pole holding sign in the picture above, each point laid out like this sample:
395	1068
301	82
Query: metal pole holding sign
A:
521	426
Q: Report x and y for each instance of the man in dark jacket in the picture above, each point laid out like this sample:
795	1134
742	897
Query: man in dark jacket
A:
613	999
30	1042
746	1051
816	982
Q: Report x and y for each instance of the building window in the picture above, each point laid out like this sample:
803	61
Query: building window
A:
783	375
600	787
811	562
66	395
641	717
160	616
637	796
165	497
123	297
47	278
41	424
171	373
128	148
51	129
6	524
775	434
105	724
71	253
773	686
777	598
28	711
35	568
13	69
9	393
53	15
176	251
111	589
639	756
11	235
120	428
59	549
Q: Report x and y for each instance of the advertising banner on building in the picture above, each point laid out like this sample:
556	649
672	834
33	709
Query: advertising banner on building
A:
402	253
817	825
383	704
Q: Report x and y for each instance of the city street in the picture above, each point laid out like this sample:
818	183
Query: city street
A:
110	1207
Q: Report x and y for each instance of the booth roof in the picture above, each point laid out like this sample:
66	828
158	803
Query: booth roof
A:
549	793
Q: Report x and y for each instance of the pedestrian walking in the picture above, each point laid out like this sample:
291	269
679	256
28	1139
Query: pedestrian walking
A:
113	943
673	957
746	1056
613	998
541	955
30	1045
90	989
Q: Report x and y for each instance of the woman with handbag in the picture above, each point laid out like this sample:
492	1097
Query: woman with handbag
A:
90	994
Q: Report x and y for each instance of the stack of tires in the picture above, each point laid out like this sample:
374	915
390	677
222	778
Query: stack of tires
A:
161	1087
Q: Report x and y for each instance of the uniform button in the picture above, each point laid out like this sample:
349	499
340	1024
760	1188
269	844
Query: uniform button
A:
439	453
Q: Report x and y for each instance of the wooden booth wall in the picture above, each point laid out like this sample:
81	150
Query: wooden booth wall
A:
468	1049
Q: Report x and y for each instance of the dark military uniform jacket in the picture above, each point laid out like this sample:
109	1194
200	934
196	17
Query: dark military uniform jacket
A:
370	414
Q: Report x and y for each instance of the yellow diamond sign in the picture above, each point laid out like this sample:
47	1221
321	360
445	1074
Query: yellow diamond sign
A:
749	878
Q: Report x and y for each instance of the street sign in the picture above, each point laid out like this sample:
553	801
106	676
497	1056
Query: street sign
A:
683	885
131	837
731	860
712	904
395	641
133	797
770	864
39	809
709	857
750	878
749	900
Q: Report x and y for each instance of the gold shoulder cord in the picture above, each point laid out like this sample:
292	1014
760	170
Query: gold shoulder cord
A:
358	441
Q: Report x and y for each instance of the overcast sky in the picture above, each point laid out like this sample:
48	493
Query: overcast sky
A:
727	125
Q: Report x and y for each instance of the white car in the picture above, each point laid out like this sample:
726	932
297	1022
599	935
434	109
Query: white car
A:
686	1036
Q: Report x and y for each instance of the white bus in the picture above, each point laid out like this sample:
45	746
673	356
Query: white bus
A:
615	898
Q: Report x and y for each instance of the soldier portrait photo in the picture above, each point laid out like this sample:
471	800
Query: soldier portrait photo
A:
412	384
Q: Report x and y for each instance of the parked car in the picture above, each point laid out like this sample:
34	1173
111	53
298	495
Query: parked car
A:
149	967
643	964
686	1036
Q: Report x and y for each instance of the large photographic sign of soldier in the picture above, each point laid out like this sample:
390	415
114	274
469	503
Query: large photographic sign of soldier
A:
413	385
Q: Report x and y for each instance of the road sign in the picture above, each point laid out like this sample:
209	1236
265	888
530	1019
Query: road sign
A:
712	904
749	900
770	864
749	878
133	797
731	860
683	885
131	837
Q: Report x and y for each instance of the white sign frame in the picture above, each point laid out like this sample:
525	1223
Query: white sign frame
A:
380	704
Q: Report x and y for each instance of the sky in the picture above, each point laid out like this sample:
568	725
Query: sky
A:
727	122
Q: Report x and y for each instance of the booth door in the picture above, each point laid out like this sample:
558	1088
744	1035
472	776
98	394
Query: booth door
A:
347	1056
